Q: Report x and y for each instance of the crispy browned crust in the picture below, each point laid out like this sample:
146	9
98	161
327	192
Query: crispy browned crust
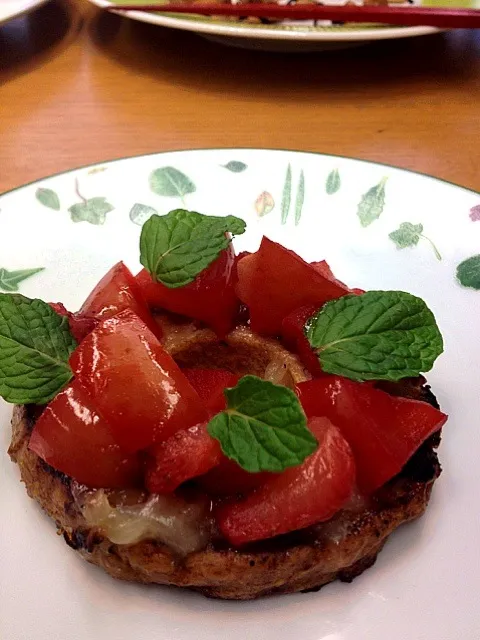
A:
297	562
241	575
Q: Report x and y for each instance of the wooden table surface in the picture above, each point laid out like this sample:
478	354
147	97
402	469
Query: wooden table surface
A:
80	86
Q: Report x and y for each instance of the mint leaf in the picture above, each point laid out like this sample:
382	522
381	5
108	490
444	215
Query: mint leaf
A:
177	247
333	182
171	182
378	335
468	272
93	210
371	205
9	280
48	198
263	428
235	166
286	195
35	344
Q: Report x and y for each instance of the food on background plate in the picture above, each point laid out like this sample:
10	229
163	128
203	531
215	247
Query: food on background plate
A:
326	3
239	425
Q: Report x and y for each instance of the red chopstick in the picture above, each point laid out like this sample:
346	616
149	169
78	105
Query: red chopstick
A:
411	16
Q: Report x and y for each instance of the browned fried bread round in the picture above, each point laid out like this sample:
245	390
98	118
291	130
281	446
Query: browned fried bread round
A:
339	549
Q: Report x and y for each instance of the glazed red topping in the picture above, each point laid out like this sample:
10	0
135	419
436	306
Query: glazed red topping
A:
118	290
210	385
275	281
187	454
131	415
323	269
137	386
229	479
298	497
73	437
80	325
210	297
294	338
384	431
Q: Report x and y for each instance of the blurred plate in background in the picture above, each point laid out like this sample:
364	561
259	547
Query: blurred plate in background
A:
12	8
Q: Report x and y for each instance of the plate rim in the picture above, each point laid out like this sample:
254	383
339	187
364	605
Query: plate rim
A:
235	149
342	606
31	6
262	33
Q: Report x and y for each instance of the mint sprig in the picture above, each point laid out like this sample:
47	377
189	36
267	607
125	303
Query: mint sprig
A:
176	247
378	335
35	343
263	428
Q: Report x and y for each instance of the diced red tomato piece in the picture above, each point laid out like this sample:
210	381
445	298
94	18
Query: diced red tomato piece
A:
59	308
275	281
118	290
187	454
210	385
243	315
384	431
80	326
229	479
73	438
295	339
135	384
298	497
324	269
240	256
210	298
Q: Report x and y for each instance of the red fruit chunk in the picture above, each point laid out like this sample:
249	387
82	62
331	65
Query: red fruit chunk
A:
295	339
187	454
229	479
384	431
134	383
210	297
73	438
298	497
210	385
118	290
80	326
275	281
240	256
324	269
59	308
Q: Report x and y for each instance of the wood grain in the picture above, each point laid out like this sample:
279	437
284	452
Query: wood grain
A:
80	86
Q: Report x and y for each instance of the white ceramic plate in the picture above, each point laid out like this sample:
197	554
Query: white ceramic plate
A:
12	8
284	36
426	582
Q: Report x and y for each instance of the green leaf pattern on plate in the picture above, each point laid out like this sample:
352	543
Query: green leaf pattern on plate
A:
235	166
93	210
172	183
48	198
408	235
9	280
286	195
333	182
468	272
140	213
300	198
371	204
